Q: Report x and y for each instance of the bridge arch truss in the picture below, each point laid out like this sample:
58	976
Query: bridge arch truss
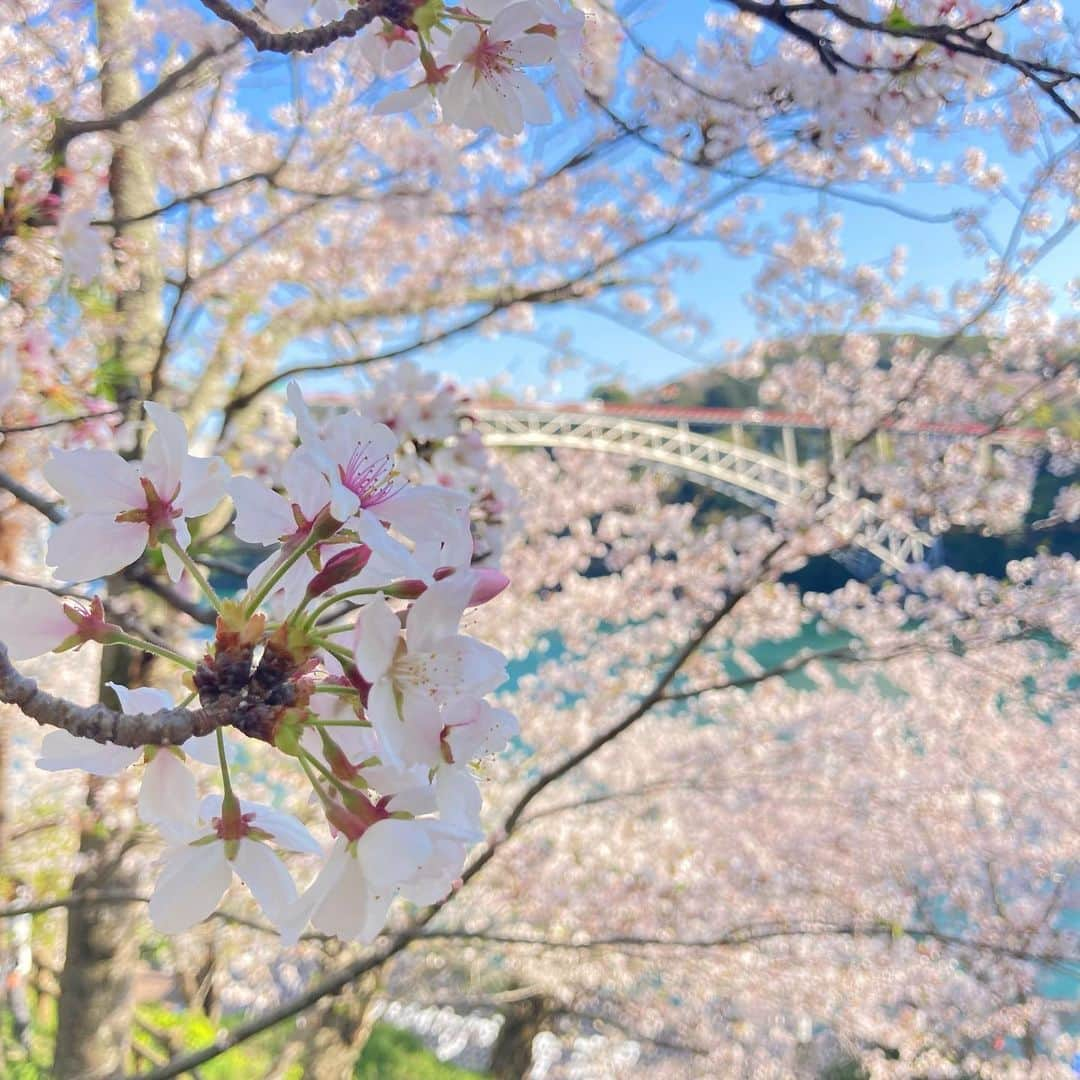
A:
759	480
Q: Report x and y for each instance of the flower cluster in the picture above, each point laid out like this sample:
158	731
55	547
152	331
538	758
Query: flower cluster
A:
473	58
429	415
345	653
36	197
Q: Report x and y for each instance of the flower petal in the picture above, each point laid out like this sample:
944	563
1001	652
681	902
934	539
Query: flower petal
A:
435	616
203	482
32	621
392	851
376	639
94	481
61	750
143	699
263	872
166	449
94	545
262	516
192	882
168	795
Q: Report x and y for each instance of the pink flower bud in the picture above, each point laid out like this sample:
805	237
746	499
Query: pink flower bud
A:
489	583
49	208
340	568
406	589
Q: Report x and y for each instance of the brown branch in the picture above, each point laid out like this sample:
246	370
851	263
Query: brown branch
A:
963	39
304	41
66	130
166	727
37	907
43	424
756	932
32	499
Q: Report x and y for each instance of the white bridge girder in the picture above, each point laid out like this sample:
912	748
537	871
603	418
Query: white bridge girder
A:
759	480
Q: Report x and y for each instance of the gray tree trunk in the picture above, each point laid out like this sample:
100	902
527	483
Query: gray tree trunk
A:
337	1031
96	1005
511	1057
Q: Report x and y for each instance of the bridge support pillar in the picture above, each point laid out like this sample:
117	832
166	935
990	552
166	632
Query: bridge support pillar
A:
684	435
791	457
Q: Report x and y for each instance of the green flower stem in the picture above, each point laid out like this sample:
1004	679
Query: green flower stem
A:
193	568
338	651
331	601
225	780
120	638
343	691
275	575
314	781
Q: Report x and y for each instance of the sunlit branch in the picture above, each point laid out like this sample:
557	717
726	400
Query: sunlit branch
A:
303	41
753	933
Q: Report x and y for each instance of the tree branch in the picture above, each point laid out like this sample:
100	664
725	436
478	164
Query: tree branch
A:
66	130
304	41
755	932
166	727
954	39
43	424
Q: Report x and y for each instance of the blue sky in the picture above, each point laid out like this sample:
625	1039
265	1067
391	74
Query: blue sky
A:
721	283
718	287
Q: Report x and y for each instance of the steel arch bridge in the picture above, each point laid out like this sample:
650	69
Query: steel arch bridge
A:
723	462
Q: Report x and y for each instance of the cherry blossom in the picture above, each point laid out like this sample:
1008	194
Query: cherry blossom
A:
121	507
196	874
355	459
353	891
433	662
34	621
489	86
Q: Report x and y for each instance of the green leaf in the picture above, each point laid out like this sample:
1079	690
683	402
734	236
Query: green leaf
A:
897	20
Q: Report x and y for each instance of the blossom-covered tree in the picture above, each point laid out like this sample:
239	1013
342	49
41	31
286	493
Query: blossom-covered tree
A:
175	250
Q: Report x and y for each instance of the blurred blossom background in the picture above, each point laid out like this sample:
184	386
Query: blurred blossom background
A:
758	365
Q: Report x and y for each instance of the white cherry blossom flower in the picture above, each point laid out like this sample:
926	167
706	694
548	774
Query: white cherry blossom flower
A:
120	507
489	88
35	621
389	48
355	458
351	895
196	874
265	517
432	664
567	25
168	796
444	742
